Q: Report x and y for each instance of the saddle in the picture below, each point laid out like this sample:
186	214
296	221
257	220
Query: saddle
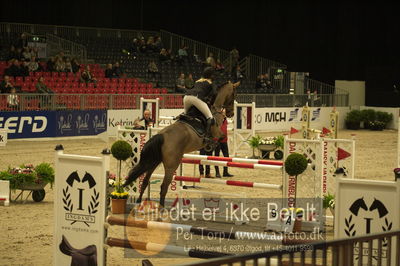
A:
82	257
195	119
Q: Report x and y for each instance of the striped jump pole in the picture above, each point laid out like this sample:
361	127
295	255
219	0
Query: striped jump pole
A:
231	164
201	231
222	182
229	159
154	247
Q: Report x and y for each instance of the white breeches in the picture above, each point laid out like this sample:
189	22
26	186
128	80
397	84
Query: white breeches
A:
190	100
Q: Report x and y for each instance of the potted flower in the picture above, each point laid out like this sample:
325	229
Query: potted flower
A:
121	150
118	199
329	203
266	146
254	142
29	177
295	164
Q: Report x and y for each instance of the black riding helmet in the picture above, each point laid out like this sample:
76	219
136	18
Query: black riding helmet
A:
209	73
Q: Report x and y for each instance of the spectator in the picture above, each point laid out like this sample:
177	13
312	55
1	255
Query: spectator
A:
75	65
219	66
266	83
171	54
152	69
189	82
142	46
51	64
41	87
234	53
148	122
158	43
34	52
5	85
135	46
237	74
210	60
14	69
24	68
150	47
117	71
60	64
109	72
13	54
12	99
22	42
163	57
33	65
183	54
68	65
27	53
87	76
180	84
223	146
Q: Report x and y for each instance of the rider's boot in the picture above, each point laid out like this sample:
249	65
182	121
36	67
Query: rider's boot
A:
210	144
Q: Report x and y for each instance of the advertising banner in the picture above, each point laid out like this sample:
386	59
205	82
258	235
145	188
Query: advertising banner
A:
80	123
123	118
28	124
80	209
281	119
365	207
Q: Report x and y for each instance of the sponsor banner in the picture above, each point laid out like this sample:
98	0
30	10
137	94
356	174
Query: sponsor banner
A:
80	123
28	124
365	207
281	119
123	118
79	209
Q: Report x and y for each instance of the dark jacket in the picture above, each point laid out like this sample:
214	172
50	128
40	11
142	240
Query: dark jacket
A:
203	90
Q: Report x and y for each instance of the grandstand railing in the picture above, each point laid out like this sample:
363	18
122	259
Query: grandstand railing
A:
32	101
258	65
57	44
175	42
375	249
83	32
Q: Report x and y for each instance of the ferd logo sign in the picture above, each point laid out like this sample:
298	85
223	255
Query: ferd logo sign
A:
80	198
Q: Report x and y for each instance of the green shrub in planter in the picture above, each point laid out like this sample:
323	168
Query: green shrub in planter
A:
368	116
377	125
353	119
384	117
121	150
295	164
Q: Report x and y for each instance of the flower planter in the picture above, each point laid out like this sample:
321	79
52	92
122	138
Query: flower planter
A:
118	206
267	147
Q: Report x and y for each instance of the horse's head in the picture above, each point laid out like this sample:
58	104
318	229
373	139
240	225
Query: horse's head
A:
226	98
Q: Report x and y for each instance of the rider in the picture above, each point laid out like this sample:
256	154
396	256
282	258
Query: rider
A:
202	93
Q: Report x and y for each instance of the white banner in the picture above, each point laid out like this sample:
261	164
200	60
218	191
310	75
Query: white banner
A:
364	207
123	118
79	209
3	137
282	119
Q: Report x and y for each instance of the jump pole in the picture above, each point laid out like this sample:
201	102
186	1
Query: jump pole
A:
201	231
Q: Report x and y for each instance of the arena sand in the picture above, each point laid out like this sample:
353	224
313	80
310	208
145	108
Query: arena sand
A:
26	230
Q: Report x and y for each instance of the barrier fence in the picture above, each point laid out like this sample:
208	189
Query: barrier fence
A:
340	253
33	101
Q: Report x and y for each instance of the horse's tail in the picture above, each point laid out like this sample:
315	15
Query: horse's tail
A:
150	158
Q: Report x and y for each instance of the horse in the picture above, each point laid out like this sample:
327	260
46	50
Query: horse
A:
169	145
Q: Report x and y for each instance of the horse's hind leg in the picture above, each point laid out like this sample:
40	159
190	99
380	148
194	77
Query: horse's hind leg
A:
145	183
169	168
